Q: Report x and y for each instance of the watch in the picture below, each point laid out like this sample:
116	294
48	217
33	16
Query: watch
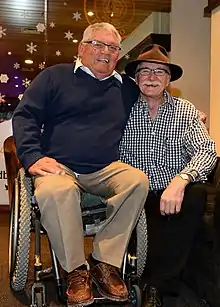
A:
186	177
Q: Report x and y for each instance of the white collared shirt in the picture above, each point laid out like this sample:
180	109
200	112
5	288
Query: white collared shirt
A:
78	64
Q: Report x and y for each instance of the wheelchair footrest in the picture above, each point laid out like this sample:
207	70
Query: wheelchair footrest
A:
38	295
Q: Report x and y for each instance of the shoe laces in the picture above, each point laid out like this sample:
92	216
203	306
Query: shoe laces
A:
78	276
108	269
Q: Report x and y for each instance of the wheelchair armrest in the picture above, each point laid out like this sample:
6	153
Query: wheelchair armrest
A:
12	164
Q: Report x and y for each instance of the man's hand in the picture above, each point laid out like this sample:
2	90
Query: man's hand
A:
46	166
172	197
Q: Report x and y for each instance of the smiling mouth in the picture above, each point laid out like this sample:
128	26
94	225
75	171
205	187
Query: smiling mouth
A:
103	61
151	85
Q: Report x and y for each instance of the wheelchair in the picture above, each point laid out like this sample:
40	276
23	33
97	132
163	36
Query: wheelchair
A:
25	219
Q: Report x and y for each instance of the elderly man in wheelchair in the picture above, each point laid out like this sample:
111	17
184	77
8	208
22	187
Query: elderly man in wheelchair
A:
68	144
25	217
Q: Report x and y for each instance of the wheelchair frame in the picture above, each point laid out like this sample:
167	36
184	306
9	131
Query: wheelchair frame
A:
25	217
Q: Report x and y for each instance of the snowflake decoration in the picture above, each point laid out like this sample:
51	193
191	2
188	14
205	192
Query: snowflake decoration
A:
68	35
25	14
31	48
26	82
127	56
76	16
20	96
2	98
40	27
2	31
52	24
41	66
4	78
16	65
58	53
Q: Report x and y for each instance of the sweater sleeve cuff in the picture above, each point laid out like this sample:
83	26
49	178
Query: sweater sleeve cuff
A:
30	159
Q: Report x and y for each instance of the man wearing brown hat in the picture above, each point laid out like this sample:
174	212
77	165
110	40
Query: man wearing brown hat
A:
166	139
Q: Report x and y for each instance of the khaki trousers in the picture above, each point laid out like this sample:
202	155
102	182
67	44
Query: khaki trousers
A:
125	188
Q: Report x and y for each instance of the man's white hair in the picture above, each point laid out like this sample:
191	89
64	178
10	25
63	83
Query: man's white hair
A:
87	35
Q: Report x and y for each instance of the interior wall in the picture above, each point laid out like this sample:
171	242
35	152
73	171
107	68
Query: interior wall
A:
190	48
215	77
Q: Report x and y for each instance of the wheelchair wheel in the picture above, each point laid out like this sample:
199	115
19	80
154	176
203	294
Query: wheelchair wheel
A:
39	299
135	296
142	243
20	228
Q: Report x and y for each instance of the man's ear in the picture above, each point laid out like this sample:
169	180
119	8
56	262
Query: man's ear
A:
80	49
168	81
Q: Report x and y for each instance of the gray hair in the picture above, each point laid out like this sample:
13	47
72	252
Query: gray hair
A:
87	35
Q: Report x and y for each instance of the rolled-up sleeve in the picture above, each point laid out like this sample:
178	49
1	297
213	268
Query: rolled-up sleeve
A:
201	150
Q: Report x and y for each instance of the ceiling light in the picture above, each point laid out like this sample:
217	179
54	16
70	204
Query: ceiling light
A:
75	40
29	61
16	77
16	85
9	52
90	13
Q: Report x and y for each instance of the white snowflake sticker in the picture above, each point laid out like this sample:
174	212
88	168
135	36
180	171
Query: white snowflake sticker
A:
68	35
40	27
4	78
76	16
2	98
20	96
25	14
2	31
58	53
16	65
75	58
31	47
26	82
41	66
127	56
52	24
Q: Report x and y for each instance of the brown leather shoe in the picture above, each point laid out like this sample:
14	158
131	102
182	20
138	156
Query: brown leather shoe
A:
79	288
108	282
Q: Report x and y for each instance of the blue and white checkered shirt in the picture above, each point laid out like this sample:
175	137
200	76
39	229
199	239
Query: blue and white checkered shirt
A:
176	141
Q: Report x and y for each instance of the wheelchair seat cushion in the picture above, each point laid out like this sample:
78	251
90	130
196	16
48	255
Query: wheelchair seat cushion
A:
90	201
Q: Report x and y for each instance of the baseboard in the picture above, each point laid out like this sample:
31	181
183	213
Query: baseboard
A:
4	208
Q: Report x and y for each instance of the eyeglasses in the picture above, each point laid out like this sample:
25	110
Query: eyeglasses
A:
157	71
100	46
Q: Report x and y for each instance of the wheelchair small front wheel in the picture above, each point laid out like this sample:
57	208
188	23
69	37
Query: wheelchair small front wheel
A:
39	299
135	296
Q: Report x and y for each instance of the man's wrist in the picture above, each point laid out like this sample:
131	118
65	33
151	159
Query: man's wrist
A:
193	174
186	177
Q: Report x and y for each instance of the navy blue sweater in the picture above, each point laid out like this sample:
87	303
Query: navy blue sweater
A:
83	118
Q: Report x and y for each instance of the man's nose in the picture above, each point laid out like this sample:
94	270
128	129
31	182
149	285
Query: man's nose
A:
152	75
105	49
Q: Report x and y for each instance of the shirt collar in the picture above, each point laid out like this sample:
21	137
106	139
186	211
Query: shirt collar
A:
78	64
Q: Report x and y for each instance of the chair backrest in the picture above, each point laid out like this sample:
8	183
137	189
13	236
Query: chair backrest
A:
12	164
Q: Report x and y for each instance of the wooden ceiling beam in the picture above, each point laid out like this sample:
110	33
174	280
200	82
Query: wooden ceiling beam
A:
212	4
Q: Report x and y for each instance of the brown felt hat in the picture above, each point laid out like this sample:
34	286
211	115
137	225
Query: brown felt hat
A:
154	54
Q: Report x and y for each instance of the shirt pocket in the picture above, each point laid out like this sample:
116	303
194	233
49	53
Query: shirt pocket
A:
173	155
